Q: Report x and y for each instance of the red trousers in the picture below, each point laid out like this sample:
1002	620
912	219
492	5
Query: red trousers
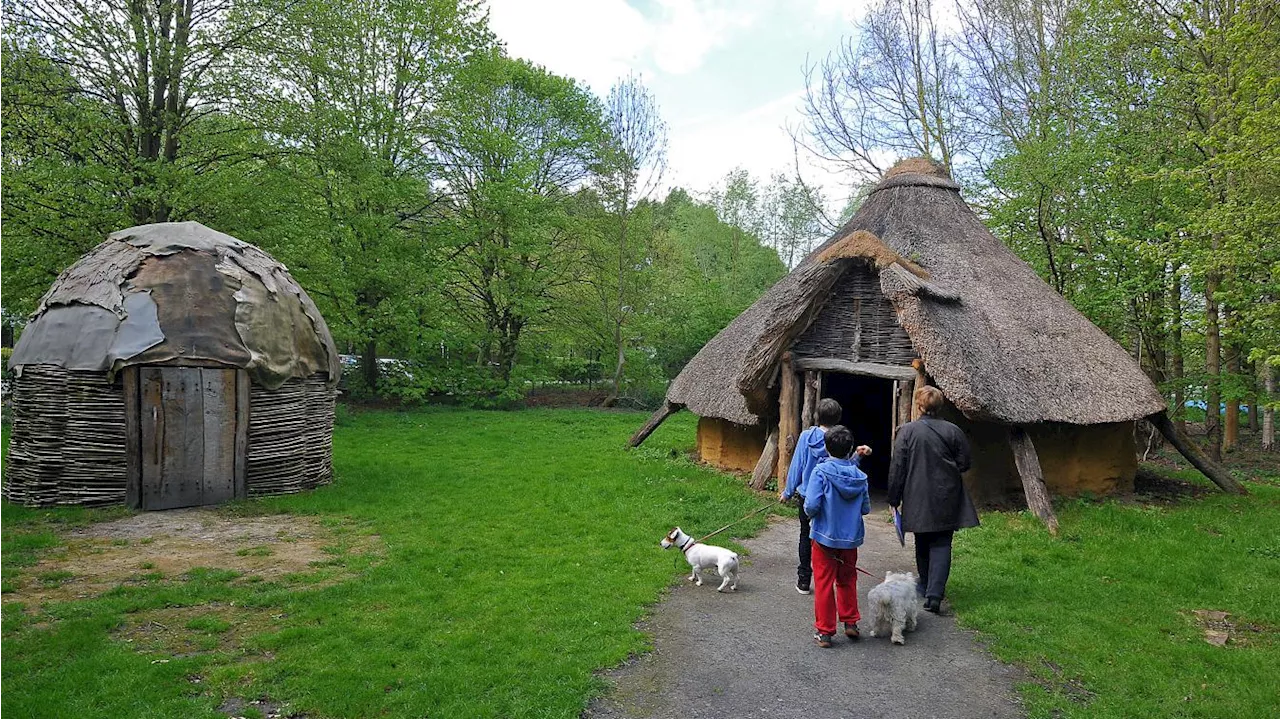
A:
835	587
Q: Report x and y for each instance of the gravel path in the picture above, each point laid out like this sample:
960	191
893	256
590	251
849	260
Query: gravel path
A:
751	653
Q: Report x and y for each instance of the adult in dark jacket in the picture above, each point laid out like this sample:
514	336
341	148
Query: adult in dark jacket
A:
929	455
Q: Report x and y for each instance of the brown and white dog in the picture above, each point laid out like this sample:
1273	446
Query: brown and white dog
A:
705	556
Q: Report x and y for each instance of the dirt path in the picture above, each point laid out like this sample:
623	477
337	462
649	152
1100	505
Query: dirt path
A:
751	654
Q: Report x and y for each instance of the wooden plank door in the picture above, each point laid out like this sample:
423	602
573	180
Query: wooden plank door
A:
187	434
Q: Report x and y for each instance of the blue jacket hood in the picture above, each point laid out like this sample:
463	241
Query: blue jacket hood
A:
815	443
845	476
835	499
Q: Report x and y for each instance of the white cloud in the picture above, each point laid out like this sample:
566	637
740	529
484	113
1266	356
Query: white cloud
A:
595	41
598	41
688	30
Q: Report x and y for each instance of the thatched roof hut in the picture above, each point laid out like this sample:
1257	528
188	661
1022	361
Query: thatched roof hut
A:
914	288
170	366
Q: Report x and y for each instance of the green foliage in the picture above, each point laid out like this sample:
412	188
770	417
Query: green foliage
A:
483	594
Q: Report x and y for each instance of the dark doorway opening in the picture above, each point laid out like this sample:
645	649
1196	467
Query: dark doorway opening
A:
868	413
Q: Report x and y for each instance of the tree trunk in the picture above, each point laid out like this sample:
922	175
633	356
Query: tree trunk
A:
1176	368
1212	368
666	410
1268	409
789	399
369	366
1255	409
768	462
1207	466
612	399
1028	464
1232	434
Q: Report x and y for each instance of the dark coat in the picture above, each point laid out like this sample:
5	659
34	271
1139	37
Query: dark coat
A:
929	455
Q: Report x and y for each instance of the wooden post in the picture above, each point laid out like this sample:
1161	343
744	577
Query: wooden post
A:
1028	463
901	404
768	460
921	380
789	399
666	410
812	393
1211	469
132	439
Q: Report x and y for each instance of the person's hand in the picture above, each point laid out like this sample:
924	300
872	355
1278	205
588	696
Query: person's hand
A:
863	450
782	496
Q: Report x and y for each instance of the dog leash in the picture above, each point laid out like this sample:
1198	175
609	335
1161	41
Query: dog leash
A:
730	524
835	558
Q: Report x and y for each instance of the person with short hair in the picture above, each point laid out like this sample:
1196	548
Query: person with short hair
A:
810	450
835	500
929	457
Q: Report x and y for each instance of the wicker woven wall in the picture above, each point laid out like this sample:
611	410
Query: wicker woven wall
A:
290	436
67	441
857	323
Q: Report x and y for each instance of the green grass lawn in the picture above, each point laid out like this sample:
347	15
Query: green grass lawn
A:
519	549
1104	617
516	550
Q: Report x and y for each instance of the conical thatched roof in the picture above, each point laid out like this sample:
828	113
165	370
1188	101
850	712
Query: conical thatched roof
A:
178	293
999	342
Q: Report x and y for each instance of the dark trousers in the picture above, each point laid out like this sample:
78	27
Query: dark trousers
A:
804	572
933	563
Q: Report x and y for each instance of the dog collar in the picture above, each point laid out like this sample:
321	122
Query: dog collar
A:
688	544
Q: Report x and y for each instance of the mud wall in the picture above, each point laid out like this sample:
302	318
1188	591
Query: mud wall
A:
1096	459
729	446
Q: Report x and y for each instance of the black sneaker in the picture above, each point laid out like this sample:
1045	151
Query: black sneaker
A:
803	589
933	604
851	631
823	640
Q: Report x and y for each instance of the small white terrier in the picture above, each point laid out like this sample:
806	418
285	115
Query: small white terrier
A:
705	556
894	606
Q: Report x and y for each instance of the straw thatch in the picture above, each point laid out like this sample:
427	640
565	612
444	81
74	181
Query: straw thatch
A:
999	342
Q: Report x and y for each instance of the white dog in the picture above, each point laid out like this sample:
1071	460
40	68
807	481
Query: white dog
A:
894	606
705	556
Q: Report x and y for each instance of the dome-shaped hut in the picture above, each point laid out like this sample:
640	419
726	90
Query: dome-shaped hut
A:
171	366
915	289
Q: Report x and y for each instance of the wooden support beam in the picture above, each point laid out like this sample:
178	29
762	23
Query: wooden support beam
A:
812	393
768	461
789	398
1028	463
666	410
1209	468
921	379
869	369
901	404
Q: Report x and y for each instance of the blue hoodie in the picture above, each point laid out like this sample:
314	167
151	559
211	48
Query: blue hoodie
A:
811	449
835	500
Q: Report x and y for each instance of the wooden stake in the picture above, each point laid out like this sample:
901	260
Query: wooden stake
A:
812	392
1028	463
1209	468
666	410
921	380
789	399
768	461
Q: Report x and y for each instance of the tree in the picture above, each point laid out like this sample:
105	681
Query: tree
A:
634	161
352	92
515	142
890	90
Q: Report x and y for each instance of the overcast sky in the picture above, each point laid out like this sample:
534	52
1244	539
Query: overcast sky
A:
728	76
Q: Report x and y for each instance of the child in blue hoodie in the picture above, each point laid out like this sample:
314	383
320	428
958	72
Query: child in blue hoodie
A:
835	499
811	449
